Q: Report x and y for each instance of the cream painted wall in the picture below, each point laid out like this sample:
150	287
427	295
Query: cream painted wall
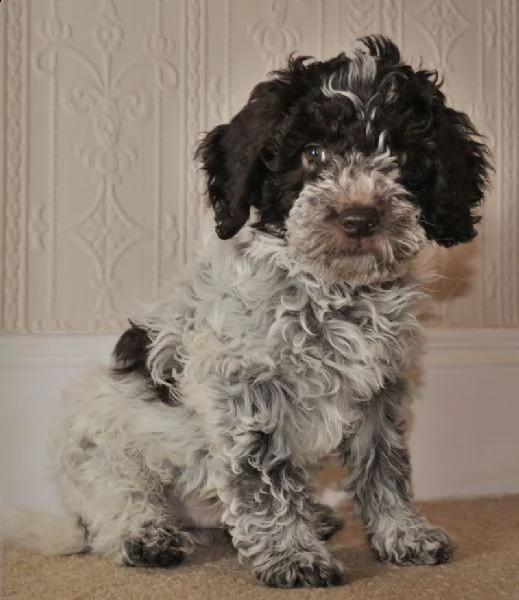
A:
103	101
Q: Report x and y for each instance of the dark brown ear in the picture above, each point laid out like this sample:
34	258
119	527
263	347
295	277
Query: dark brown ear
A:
461	167
447	170
231	155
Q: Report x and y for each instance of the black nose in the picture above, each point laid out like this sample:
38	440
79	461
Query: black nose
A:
361	221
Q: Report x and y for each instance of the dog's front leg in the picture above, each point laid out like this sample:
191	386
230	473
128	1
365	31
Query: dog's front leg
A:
264	487
380	485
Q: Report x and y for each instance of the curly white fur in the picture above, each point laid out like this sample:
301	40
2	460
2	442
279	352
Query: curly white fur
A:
273	371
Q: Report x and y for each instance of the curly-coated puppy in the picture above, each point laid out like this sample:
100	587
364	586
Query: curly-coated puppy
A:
289	338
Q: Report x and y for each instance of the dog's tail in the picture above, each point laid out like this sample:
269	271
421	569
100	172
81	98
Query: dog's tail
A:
43	532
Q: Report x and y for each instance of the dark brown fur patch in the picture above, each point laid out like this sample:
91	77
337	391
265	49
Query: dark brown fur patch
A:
130	356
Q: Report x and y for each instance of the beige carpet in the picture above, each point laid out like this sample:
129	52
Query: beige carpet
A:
485	567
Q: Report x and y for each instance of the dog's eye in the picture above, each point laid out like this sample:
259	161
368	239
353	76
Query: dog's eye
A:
314	155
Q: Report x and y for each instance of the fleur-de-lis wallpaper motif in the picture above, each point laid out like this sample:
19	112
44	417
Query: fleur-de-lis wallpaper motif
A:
39	228
358	16
52	29
444	24
106	230
274	35
14	274
509	297
390	17
108	33
106	100
490	29
217	100
169	235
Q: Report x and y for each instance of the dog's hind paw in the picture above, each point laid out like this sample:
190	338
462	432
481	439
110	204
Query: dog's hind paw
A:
157	548
326	521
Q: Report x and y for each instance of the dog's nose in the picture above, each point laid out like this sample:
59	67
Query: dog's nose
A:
361	221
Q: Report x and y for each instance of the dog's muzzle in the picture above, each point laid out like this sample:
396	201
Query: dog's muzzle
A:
359	222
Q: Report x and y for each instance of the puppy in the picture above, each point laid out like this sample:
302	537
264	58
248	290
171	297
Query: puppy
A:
288	338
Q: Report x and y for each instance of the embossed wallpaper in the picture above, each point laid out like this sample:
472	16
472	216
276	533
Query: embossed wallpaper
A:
102	101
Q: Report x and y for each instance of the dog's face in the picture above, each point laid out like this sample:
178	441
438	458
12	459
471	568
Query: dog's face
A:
355	162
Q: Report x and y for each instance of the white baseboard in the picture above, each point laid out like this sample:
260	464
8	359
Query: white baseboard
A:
464	440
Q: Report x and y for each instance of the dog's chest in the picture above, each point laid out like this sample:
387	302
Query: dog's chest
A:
346	346
337	354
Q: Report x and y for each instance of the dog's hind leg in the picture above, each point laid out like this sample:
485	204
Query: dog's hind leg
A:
155	544
111	453
124	511
327	523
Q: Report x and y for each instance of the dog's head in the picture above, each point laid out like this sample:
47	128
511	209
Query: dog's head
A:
355	161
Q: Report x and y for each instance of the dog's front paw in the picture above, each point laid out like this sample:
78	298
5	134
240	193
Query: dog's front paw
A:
303	570
419	543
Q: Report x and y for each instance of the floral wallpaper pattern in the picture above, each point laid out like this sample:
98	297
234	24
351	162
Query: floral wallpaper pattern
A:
103	103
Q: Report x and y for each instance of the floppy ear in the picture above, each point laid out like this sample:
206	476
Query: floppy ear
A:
231	154
460	169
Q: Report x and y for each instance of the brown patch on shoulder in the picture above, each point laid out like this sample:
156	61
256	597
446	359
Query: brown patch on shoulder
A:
130	355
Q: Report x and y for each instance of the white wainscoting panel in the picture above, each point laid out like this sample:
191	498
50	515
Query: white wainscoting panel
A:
464	440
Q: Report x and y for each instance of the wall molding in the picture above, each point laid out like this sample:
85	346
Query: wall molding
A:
444	348
455	348
70	350
463	442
